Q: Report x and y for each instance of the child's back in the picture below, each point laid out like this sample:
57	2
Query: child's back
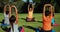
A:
14	26
47	23
47	17
6	17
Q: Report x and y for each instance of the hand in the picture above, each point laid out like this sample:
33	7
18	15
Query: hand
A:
13	6
47	5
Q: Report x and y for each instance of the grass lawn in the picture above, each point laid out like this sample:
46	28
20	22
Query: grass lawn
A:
29	25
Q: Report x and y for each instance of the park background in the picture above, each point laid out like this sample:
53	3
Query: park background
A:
38	8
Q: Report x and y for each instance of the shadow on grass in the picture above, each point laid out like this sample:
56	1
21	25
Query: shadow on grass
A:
29	27
39	21
23	18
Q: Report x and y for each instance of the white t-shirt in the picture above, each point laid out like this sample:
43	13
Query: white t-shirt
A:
6	18
15	27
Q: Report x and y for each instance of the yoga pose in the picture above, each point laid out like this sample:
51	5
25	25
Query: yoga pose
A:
6	14
47	17
30	12
14	20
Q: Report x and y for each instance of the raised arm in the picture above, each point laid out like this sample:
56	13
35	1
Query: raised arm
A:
16	11
9	11
33	7
8	8
51	11
44	11
48	5
28	7
51	8
5	8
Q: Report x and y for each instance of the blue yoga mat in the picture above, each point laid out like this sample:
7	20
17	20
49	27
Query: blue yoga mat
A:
37	30
4	25
53	30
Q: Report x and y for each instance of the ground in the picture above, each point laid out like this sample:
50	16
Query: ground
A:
30	26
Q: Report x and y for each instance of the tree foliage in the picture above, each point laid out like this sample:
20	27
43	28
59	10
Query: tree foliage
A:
22	6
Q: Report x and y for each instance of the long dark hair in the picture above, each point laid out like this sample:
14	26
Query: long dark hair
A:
12	20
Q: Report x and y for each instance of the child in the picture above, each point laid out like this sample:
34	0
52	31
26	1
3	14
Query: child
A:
14	26
30	13
6	17
30	10
53	22
14	21
47	17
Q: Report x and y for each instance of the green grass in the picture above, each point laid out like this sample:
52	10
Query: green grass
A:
38	17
